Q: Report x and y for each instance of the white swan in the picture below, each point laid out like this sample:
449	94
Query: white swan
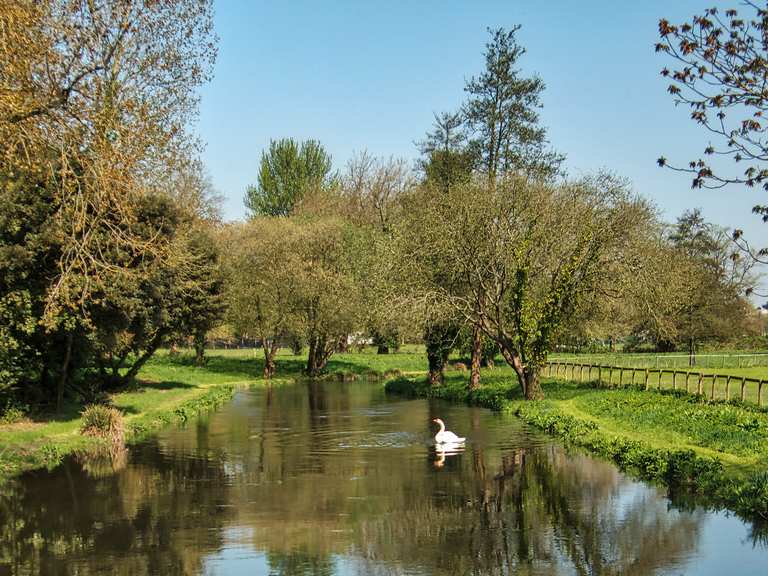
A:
444	437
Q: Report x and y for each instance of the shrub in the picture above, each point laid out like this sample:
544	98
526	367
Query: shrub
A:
104	422
13	413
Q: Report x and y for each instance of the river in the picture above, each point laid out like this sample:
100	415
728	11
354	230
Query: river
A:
339	478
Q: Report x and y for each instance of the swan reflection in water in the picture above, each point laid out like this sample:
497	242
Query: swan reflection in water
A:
442	451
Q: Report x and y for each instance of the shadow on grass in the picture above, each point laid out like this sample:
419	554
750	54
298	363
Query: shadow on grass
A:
72	410
164	385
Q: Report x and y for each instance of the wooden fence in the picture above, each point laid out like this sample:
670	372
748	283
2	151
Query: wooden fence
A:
715	386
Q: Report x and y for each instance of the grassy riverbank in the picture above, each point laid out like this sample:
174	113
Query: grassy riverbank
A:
716	450
170	389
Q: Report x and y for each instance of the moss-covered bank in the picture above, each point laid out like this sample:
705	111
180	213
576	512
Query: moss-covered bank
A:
715	451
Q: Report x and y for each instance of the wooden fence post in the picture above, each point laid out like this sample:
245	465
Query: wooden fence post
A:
646	378
728	388
760	393
621	377
698	387
610	376
599	375
687	379
674	379
712	391
658	384
743	391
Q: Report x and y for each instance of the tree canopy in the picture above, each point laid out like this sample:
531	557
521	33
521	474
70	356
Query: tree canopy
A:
287	171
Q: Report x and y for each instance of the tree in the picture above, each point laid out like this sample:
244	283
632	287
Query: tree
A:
370	190
327	295
501	114
497	133
287	171
447	159
263	265
715	278
722	63
520	260
164	300
95	99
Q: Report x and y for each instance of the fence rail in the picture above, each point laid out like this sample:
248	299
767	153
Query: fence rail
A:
640	360
715	386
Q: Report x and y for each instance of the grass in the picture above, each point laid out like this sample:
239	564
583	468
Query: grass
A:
716	449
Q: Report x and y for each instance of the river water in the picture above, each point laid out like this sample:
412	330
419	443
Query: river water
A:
338	478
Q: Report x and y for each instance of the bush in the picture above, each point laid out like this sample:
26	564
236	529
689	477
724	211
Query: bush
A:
13	413
104	422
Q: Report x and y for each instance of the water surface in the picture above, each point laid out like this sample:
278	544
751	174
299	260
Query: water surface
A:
338	478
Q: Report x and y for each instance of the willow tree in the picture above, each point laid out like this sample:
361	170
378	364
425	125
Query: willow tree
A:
520	260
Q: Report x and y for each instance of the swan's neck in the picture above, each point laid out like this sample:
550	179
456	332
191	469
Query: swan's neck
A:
442	426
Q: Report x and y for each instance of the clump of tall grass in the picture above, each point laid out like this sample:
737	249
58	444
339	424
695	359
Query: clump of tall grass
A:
103	422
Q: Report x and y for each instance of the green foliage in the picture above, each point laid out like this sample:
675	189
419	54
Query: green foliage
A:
439	340
287	172
502	114
99	194
18	357
13	413
521	259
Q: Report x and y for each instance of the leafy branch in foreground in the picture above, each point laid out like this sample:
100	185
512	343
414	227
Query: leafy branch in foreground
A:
720	74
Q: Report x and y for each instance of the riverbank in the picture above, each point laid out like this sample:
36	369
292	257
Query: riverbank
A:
718	451
171	389
163	394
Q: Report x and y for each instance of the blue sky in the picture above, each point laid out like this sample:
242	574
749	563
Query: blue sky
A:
368	75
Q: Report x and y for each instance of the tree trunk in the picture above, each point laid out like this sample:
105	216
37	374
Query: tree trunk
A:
436	377
320	350
64	372
527	376
691	352
296	346
311	361
382	349
199	348
436	367
131	374
269	358
533	389
477	355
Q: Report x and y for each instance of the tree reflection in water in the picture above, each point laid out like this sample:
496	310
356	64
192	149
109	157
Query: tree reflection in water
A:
326	478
